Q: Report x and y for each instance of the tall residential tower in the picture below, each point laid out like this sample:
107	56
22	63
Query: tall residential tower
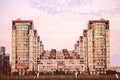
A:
94	47
25	46
98	46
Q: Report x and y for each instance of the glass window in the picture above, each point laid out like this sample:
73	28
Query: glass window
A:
25	27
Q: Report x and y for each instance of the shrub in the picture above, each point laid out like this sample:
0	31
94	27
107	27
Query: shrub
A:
110	72
15	73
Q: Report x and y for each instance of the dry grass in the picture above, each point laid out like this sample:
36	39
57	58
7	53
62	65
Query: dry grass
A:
60	77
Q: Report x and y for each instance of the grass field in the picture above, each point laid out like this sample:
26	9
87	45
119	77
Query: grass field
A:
60	77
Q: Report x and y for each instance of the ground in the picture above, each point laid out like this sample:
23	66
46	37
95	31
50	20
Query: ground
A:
60	77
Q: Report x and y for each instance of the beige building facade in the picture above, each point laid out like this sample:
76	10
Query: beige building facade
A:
49	65
94	47
98	46
25	46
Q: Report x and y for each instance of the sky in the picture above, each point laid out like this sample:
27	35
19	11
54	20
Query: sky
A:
60	22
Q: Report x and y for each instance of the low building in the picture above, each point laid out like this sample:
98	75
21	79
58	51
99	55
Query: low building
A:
60	61
50	65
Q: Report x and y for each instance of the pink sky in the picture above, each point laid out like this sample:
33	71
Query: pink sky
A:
60	25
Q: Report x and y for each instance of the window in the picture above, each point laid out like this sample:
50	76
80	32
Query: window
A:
25	27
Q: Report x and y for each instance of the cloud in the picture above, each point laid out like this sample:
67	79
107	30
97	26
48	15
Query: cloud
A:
77	7
58	6
115	10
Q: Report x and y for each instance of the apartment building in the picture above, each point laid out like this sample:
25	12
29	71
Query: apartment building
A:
98	46
94	47
26	46
50	65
